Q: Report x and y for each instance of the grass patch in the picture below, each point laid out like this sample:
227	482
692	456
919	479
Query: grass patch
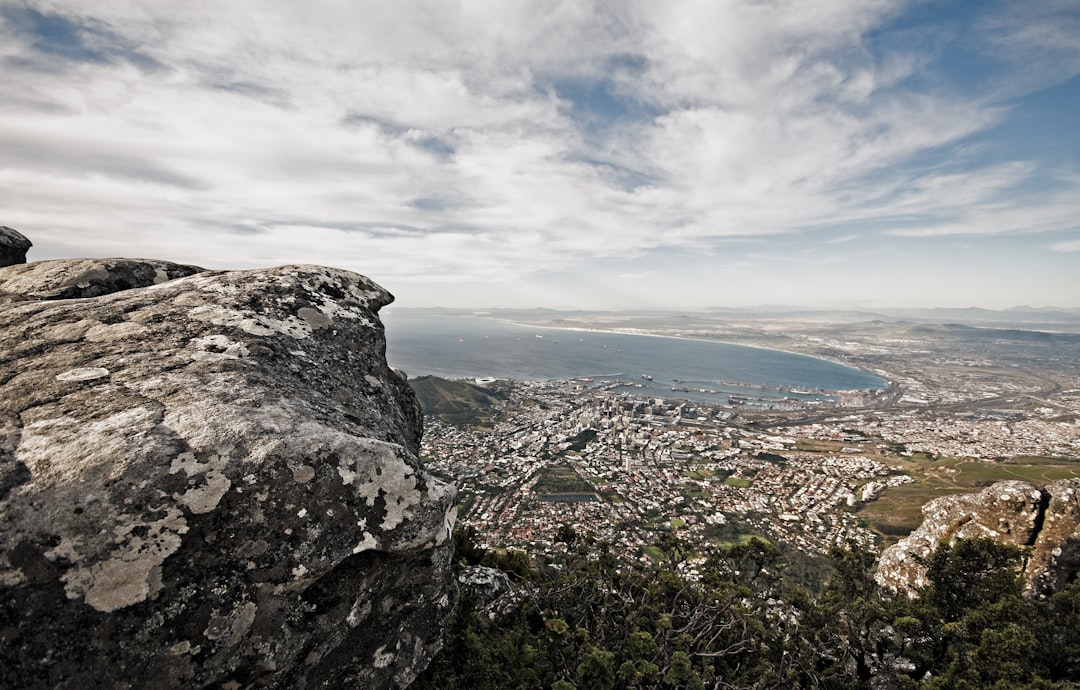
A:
1041	460
814	445
562	479
741	539
654	553
739	482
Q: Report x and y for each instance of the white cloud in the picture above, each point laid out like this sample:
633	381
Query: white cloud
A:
425	139
844	239
1066	246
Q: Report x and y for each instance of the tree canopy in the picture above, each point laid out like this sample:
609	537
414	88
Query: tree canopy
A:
730	619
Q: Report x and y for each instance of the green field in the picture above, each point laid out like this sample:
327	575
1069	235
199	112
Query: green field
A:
739	482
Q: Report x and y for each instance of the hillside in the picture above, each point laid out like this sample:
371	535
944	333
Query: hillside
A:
456	402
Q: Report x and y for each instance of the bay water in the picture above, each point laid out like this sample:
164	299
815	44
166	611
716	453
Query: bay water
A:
461	346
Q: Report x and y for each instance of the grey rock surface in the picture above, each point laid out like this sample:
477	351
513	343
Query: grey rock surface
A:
1046	520
212	482
74	278
13	246
497	594
488	584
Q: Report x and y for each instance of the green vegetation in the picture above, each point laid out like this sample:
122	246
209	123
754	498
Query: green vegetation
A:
582	439
739	482
1042	460
593	623
456	402
562	479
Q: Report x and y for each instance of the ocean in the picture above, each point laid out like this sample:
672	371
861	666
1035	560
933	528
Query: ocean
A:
463	347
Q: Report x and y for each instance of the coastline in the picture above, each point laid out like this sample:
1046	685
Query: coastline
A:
653	334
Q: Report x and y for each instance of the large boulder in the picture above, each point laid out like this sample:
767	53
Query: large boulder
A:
1046	521
13	246
213	482
72	278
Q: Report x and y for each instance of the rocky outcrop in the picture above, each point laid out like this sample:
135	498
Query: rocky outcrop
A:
73	278
1012	512
211	482
493	589
13	246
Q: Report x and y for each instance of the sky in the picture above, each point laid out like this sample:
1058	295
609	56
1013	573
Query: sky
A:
570	154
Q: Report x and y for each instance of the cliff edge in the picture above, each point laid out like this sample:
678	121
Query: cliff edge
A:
210	479
1046	520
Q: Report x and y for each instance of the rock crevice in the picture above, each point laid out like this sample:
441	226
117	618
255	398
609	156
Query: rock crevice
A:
1046	520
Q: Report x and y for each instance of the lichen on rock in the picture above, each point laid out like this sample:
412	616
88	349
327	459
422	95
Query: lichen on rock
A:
1017	513
210	479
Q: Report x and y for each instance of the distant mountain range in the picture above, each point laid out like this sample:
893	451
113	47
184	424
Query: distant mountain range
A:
1026	317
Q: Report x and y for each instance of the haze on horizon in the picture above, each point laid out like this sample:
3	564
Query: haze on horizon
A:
561	153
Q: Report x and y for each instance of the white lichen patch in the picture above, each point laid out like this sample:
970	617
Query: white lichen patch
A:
189	464
11	577
124	578
359	612
385	473
368	543
217	346
354	297
382	658
204	498
255	324
348	476
103	333
83	374
180	648
67	549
